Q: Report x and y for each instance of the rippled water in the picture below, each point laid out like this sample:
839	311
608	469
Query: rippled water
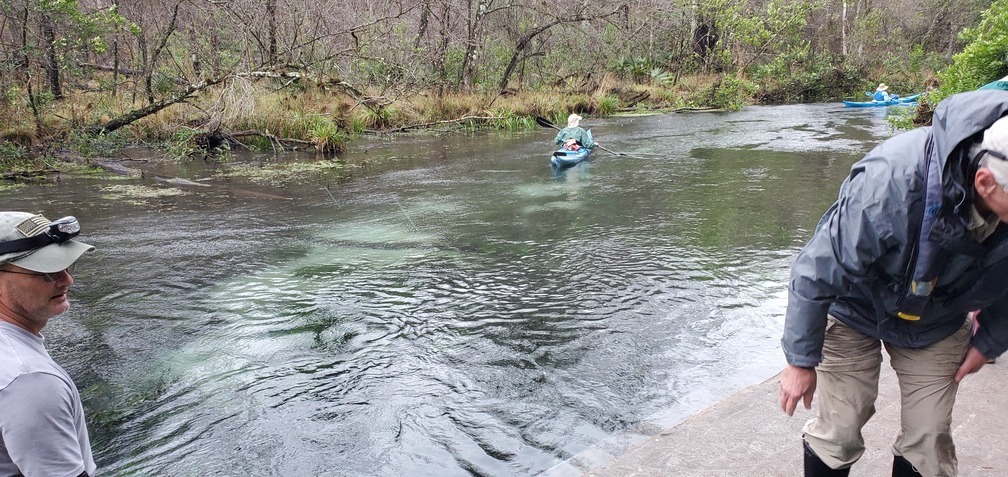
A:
457	311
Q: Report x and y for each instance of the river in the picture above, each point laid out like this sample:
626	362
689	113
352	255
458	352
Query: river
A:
450	307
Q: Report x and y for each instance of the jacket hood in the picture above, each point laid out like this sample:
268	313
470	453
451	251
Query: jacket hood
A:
961	116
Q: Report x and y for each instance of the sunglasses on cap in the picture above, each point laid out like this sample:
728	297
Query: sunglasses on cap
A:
46	277
59	231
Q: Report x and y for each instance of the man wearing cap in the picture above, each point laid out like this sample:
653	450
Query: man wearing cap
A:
573	137
917	239
42	429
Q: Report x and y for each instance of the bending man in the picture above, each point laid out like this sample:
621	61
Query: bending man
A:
916	240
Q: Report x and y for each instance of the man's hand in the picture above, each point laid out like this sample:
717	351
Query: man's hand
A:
796	383
972	363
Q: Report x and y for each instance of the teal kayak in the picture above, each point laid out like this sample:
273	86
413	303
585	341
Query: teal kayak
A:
565	158
906	101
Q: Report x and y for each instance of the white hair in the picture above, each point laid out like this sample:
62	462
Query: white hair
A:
996	140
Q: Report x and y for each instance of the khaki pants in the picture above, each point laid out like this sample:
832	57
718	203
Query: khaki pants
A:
847	385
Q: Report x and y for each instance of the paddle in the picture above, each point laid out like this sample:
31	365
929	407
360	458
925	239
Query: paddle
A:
546	124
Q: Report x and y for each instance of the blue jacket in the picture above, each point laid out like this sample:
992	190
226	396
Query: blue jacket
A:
865	251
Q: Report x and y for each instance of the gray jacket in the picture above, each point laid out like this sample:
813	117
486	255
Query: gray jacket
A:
859	262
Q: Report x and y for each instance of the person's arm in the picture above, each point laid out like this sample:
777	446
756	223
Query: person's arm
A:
37	423
991	338
849	239
560	137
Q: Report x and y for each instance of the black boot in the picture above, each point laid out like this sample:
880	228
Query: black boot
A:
903	468
814	467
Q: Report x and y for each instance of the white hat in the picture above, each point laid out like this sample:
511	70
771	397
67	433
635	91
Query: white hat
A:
36	246
881	87
573	120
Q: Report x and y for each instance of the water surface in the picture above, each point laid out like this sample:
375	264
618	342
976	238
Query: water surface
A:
453	308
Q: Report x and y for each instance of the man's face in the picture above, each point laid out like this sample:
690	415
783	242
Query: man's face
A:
29	300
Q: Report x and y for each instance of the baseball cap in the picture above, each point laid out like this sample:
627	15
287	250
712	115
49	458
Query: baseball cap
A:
35	243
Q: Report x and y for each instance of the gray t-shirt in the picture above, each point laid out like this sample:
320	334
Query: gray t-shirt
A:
42	429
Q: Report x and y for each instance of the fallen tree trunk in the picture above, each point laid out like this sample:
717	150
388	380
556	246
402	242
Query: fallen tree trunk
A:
136	114
28	174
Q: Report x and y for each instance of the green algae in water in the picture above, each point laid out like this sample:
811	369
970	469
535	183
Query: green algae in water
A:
138	194
282	174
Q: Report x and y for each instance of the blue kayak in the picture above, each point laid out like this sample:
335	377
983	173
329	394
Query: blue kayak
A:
565	158
906	101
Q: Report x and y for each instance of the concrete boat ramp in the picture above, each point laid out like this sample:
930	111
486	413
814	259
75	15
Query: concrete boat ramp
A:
748	435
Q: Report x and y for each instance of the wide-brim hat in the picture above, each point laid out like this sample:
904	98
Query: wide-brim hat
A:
51	258
573	120
881	87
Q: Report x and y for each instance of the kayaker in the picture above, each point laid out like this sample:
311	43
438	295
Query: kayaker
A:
881	93
573	137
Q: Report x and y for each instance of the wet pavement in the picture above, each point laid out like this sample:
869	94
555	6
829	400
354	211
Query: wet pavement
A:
748	434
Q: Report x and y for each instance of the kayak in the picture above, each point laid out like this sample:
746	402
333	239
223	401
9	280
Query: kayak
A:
906	101
565	158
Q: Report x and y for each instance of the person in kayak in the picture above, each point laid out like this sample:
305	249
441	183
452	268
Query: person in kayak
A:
881	93
573	137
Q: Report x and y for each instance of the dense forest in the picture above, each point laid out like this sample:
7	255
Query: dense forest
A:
193	74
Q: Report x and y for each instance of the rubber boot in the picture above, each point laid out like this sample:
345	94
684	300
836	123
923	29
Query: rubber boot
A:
814	467
903	468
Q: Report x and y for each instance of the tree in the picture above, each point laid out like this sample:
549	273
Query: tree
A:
51	37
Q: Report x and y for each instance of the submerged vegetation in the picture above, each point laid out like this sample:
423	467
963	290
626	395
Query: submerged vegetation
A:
194	77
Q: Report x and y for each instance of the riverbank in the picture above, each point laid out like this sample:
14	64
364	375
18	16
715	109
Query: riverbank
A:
323	117
747	434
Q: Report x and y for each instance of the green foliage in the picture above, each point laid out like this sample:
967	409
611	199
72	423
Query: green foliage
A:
917	56
182	144
13	157
983	59
636	68
96	146
358	124
83	29
162	84
509	121
797	75
867	34
323	133
732	93
661	77
607	104
902	118
17	159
